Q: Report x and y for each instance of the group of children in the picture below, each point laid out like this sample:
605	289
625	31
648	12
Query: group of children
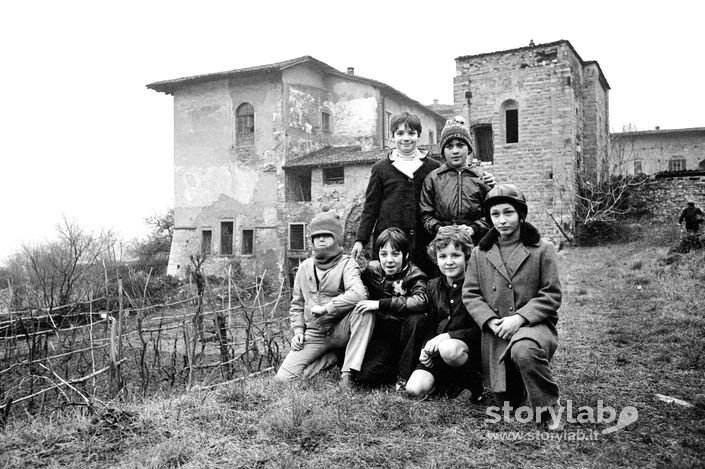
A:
489	311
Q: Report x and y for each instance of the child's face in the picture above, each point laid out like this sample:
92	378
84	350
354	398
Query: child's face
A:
323	241
405	139
391	259
451	262
505	218
456	153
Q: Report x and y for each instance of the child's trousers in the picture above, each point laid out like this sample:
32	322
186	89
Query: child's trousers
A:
352	333
529	376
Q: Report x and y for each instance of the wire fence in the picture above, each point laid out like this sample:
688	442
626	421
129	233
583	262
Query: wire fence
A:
75	355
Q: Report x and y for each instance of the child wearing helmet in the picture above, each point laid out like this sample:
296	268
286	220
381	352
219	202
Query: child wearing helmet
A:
513	292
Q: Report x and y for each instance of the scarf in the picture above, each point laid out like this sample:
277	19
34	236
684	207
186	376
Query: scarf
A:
325	258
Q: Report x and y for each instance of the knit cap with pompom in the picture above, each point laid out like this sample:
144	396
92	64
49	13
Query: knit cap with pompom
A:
327	222
455	128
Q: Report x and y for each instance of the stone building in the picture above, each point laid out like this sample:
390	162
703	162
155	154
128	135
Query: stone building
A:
539	116
653	152
258	151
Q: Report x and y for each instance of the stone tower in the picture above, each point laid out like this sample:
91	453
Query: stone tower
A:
539	116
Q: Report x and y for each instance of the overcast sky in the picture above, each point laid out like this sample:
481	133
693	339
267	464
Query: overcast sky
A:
83	137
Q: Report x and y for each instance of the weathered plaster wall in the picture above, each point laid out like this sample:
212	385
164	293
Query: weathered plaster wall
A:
216	179
655	148
343	199
542	161
356	108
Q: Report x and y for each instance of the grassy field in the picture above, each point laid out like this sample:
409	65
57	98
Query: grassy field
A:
632	326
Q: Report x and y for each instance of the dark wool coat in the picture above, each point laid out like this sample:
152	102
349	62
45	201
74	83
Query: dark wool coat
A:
534	291
392	200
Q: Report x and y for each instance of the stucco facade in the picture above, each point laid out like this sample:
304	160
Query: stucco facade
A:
234	134
539	116
657	151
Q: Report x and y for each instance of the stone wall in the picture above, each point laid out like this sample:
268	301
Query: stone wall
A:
666	197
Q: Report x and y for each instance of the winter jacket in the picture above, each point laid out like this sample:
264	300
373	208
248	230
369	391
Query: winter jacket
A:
534	291
400	295
449	197
392	200
338	289
447	313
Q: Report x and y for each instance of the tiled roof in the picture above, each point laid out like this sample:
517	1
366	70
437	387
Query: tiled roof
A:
169	86
345	156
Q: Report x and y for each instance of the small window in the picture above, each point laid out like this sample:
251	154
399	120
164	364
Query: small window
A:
484	143
325	121
431	137
333	175
248	242
512	125
298	185
245	124
226	238
206	242
637	167
297	239
389	124
676	164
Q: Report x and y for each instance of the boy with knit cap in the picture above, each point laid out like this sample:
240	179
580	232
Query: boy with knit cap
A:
327	286
453	193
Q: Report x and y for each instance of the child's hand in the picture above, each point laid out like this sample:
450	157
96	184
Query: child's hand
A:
509	326
366	306
297	343
488	178
318	310
356	250
493	324
470	230
425	359
431	347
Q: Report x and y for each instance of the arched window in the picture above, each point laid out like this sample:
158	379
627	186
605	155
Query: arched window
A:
245	124
510	121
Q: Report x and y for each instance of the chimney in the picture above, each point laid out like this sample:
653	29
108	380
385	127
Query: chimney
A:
435	101
351	70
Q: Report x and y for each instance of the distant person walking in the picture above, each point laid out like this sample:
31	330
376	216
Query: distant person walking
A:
693	216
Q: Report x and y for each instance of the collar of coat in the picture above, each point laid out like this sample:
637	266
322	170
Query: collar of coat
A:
529	236
474	170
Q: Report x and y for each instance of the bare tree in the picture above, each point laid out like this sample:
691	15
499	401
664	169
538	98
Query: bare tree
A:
604	197
55	268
